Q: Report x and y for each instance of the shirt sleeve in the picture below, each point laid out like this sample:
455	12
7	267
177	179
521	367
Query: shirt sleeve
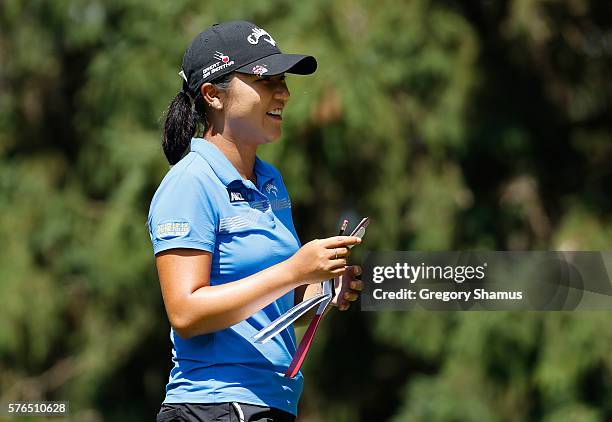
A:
183	214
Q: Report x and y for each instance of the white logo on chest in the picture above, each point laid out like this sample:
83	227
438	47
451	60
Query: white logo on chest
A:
236	196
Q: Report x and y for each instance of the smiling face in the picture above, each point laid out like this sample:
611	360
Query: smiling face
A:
252	108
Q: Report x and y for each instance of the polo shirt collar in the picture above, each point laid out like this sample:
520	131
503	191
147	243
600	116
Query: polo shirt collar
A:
224	169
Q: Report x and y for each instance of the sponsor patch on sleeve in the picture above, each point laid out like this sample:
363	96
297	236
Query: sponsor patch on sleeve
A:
172	229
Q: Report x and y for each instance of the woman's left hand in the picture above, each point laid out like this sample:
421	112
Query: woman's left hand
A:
347	287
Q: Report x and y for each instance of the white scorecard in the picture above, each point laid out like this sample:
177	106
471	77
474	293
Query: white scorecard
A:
283	321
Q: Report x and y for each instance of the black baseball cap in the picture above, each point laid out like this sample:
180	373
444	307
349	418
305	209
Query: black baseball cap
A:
238	46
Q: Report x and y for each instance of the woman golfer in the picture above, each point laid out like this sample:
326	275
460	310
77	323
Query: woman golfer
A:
227	254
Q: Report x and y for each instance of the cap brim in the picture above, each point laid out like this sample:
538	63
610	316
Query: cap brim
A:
281	63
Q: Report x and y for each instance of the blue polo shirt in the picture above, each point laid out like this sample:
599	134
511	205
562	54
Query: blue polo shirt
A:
203	203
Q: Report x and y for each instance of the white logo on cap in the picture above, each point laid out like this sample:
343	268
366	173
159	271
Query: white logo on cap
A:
259	70
257	34
220	56
223	63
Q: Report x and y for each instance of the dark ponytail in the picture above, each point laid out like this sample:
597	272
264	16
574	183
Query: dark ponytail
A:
183	118
179	127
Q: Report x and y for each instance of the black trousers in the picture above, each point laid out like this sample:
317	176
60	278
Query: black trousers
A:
221	412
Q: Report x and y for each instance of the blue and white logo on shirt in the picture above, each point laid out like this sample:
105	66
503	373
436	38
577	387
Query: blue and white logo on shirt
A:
172	229
271	189
238	194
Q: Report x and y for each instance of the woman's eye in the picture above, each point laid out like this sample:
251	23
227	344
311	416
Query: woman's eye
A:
269	79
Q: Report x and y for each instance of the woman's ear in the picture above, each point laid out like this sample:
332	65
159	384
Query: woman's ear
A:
211	96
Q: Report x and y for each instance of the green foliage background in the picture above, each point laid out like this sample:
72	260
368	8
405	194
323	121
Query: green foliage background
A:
454	125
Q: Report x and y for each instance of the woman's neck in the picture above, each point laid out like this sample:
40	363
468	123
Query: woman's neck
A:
242	157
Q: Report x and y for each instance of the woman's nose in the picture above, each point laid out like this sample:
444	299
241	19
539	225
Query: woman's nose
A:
281	91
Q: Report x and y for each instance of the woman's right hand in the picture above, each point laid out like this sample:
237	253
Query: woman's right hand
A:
322	259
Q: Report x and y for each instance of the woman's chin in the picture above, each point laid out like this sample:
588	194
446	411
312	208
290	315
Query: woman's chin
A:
273	138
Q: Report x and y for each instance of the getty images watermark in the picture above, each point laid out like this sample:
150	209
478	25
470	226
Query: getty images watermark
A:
536	281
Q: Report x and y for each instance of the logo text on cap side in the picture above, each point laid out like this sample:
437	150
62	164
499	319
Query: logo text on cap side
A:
224	62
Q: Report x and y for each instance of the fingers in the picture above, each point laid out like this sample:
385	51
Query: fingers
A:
356	285
344	306
345	302
354	270
337	259
351	296
336	253
333	257
339	241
